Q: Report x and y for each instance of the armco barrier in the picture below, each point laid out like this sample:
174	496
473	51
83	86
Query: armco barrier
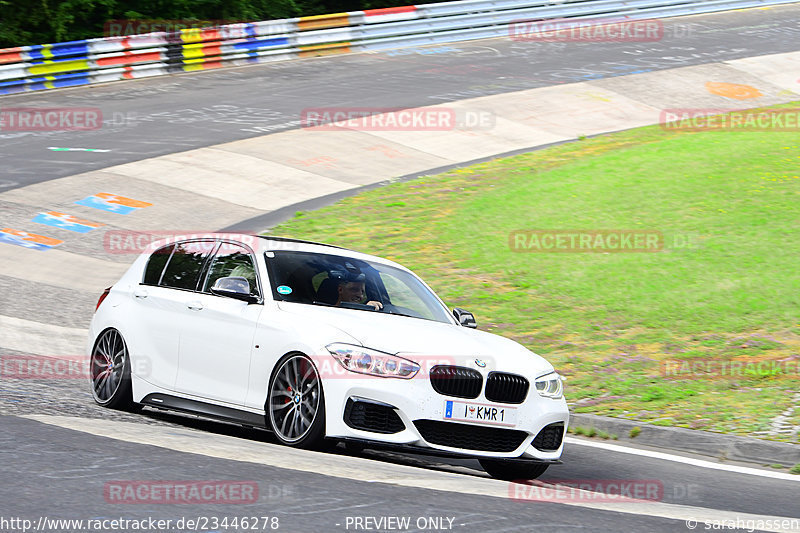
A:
49	66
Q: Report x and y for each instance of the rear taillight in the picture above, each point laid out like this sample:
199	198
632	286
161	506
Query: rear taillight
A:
102	297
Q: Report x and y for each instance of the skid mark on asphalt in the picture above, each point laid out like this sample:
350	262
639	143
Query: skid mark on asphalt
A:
104	467
327	505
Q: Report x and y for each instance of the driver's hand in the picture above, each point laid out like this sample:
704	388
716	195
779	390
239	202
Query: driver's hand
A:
377	305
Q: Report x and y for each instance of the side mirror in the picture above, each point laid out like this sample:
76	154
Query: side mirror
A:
234	287
465	318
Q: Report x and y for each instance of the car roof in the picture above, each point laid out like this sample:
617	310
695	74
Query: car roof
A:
318	247
301	241
273	243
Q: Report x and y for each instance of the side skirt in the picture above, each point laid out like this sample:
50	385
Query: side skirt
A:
217	412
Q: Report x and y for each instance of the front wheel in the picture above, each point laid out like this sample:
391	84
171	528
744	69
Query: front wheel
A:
296	406
513	470
110	372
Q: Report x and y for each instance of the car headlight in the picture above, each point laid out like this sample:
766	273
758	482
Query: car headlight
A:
550	386
372	362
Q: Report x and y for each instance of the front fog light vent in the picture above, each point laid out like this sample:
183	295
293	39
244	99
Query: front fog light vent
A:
372	416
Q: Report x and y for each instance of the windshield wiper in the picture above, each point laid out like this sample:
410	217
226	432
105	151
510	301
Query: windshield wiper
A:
347	305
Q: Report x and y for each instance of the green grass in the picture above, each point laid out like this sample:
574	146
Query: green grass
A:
591	432
608	322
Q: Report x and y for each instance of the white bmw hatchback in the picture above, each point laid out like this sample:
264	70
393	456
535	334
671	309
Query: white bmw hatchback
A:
316	342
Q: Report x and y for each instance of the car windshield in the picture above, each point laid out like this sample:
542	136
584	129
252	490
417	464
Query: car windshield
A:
332	280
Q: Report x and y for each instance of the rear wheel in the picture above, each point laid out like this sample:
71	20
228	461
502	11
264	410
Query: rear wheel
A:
513	470
296	406
110	371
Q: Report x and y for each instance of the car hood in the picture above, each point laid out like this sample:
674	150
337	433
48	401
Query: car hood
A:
421	339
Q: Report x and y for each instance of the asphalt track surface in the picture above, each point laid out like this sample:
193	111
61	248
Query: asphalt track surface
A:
303	502
67	481
60	473
148	118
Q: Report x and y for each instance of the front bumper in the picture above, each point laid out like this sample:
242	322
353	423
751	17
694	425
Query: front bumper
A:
415	400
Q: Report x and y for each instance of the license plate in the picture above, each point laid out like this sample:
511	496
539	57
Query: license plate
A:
499	415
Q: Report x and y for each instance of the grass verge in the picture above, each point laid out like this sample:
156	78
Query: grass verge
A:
722	290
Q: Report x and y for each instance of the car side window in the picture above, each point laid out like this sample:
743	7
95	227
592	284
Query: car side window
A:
156	264
232	260
186	264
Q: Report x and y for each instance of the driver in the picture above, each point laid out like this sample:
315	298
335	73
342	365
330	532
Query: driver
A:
355	291
352	288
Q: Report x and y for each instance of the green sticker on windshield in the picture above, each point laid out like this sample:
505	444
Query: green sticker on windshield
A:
283	289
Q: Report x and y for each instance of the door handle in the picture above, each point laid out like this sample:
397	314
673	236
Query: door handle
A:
140	293
196	306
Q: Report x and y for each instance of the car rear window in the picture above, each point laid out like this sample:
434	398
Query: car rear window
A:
186	264
156	263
